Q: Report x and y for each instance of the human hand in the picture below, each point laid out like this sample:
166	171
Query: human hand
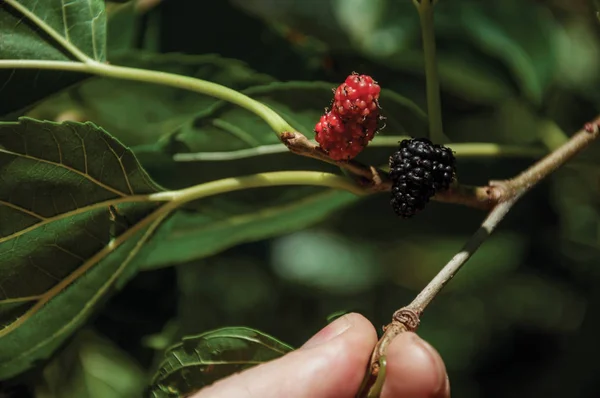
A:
332	365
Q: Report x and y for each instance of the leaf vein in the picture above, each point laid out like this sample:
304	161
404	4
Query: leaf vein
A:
67	251
43	270
95	206
119	159
85	175
22	210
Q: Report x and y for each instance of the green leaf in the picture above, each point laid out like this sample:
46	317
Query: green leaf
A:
217	226
141	113
203	359
74	213
82	23
91	366
46	30
124	27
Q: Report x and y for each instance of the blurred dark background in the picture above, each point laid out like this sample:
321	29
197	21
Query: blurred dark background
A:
521	318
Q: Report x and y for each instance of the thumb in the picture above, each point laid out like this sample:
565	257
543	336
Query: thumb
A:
330	365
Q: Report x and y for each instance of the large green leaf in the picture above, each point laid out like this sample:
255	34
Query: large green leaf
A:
140	113
201	360
91	366
74	213
195	235
26	29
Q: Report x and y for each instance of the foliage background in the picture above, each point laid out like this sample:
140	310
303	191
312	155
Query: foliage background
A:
519	320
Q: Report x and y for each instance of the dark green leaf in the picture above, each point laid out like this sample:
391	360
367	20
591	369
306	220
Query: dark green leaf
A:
81	23
132	26
123	27
201	360
91	366
221	225
64	186
141	113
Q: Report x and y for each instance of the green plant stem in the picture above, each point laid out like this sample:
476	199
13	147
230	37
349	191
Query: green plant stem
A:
434	107
277	178
466	150
276	122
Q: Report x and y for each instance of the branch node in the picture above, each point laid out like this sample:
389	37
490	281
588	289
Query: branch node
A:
592	128
498	191
296	142
408	317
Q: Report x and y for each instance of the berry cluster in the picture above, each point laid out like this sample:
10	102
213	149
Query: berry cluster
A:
345	130
419	169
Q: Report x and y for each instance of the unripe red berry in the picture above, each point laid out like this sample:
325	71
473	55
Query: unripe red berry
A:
354	119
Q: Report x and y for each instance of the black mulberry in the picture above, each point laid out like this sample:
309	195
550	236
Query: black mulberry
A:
419	169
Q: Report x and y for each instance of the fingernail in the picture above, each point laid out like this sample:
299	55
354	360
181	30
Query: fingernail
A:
329	332
434	357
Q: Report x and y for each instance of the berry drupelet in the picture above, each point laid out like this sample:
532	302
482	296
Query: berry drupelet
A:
357	97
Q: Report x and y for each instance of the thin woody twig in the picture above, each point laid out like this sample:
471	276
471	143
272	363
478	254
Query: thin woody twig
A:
377	180
505	194
298	143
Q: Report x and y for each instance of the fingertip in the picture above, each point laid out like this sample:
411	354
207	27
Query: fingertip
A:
358	324
330	365
414	369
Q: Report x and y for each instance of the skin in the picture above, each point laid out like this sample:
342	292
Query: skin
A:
332	363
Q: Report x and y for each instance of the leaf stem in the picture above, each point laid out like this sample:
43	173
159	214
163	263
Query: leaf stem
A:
276	122
277	178
434	107
461	150
69	66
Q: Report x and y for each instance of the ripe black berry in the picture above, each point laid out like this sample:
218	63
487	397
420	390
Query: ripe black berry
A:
419	169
